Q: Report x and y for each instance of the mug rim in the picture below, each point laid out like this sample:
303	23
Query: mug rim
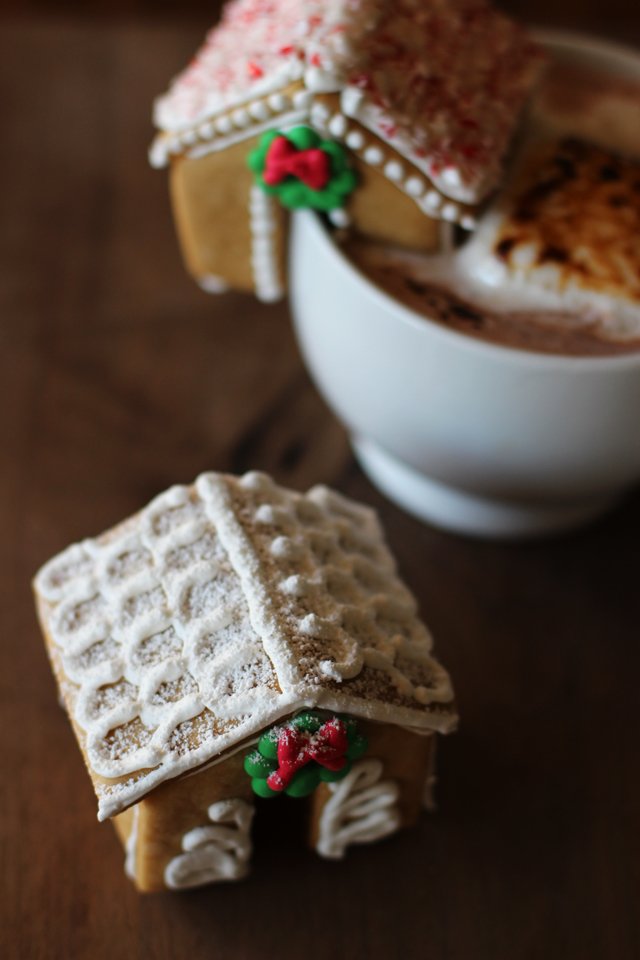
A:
550	38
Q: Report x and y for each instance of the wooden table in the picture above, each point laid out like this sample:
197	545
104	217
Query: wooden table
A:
119	377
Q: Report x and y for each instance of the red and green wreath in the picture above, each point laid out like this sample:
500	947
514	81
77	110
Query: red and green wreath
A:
302	169
296	757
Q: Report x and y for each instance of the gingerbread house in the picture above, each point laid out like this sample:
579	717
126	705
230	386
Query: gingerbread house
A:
232	642
393	116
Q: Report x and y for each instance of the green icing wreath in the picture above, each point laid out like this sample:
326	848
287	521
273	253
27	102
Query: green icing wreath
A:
292	191
298	735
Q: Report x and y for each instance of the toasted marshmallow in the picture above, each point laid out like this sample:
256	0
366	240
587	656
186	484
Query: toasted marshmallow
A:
564	236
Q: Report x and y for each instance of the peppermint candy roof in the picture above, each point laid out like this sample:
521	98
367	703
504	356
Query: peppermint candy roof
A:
443	81
219	609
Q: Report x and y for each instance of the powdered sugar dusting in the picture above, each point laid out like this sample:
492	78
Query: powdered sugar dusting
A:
343	612
152	628
184	632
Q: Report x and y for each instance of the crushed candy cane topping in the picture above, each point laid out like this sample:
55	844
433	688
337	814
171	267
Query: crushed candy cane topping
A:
442	80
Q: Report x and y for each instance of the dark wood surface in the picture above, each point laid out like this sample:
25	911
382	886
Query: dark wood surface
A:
118	378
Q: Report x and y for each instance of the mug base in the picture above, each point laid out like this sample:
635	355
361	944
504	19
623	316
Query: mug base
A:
460	512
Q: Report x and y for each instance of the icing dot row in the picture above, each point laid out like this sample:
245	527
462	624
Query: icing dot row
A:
418	188
259	111
263	225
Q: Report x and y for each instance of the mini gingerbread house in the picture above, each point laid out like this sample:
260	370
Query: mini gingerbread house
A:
232	642
392	115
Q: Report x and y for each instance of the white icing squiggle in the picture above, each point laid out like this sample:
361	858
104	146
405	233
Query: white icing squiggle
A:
218	851
362	808
264	257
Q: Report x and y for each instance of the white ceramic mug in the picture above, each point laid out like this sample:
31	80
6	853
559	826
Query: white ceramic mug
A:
471	436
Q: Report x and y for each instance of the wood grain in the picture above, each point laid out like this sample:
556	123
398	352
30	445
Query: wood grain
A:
118	378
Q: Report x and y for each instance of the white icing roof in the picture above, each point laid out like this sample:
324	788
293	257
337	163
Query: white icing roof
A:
442	81
219	609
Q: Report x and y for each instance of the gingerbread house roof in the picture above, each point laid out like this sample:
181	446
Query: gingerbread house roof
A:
442	81
220	608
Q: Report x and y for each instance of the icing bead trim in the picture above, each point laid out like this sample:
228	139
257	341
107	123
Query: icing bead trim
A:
380	57
450	212
361	808
354	140
302	99
263	224
224	125
431	202
218	851
256	119
339	218
394	171
373	156
415	187
218	133
279	102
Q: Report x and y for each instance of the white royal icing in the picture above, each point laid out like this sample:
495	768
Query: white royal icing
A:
362	808
218	851
264	225
417	188
219	609
443	83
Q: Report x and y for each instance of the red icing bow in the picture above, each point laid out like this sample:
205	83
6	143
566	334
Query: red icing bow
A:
283	159
328	747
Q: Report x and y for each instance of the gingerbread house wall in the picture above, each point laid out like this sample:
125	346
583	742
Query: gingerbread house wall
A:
381	207
392	781
160	834
234	236
225	240
380	211
165	834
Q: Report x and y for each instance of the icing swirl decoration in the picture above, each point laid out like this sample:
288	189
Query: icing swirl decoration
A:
296	757
302	169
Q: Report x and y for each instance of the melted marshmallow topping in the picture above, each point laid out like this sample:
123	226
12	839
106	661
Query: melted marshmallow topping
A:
565	237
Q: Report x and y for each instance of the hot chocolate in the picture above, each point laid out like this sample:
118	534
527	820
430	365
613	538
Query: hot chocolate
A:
554	266
545	331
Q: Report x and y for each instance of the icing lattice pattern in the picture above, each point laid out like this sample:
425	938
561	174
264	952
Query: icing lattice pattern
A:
220	608
344	612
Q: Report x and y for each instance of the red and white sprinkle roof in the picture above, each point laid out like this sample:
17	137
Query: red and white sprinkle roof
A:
443	81
258	47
